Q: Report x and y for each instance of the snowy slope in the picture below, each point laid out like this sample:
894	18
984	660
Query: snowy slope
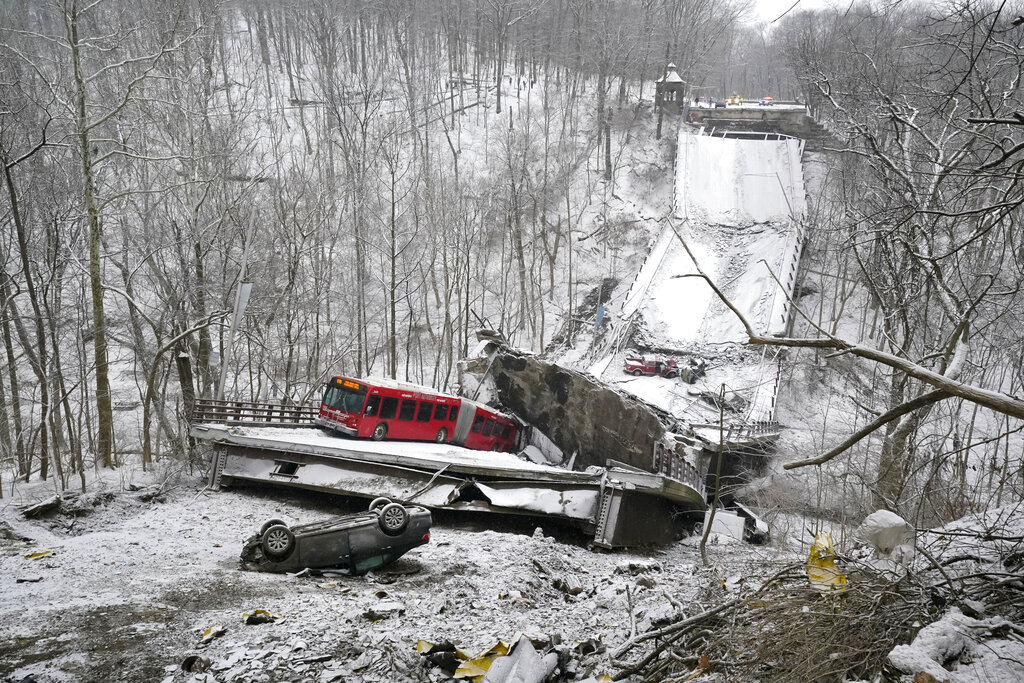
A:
737	206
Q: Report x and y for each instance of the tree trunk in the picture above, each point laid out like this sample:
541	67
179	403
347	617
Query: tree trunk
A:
104	412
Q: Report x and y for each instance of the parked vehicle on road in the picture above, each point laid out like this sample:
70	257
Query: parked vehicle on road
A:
386	409
640	365
355	543
766	101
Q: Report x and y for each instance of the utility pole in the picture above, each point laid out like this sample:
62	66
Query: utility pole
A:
718	477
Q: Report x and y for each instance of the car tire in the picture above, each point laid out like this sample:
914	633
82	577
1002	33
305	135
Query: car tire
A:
672	374
393	519
278	542
380	432
442	435
637	373
378	503
270	523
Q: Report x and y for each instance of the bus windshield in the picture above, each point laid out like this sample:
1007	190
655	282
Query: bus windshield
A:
348	399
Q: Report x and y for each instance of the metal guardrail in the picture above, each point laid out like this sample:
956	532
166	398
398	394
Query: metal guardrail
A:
252	414
674	465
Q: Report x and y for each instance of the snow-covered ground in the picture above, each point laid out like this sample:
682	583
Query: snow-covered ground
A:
123	590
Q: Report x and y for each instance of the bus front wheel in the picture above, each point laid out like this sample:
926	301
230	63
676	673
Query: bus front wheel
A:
442	435
380	432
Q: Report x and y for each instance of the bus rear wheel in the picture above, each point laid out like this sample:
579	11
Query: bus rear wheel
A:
442	435
380	432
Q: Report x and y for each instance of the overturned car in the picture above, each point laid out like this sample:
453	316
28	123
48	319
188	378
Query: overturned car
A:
355	543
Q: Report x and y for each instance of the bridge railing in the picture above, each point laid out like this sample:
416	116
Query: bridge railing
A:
674	464
253	414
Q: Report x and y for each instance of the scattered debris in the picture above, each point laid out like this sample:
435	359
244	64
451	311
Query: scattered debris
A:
726	524
38	554
384	610
261	616
570	584
9	534
195	664
35	579
822	572
210	634
44	507
522	664
635	567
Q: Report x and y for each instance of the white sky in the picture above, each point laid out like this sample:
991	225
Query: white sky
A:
768	10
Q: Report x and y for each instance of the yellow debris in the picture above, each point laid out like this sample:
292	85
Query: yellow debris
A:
822	572
37	555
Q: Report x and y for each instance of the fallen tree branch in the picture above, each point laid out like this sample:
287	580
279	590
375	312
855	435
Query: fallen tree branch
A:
880	421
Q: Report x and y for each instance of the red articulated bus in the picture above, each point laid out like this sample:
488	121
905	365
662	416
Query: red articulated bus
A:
385	409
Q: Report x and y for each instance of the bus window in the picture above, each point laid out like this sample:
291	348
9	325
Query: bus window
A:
488	427
453	414
372	404
441	412
478	422
347	398
388	408
408	409
424	412
505	430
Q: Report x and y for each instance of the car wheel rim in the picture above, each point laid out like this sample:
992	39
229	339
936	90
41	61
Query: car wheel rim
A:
277	541
393	519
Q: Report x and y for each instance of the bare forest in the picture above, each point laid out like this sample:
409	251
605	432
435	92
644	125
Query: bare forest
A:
388	176
370	182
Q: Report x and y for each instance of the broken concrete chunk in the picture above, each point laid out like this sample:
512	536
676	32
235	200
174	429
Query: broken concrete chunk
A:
570	583
646	582
195	664
541	567
384	609
635	567
726	523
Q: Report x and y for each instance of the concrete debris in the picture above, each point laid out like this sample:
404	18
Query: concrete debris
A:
646	582
635	567
726	524
570	584
195	664
384	609
522	665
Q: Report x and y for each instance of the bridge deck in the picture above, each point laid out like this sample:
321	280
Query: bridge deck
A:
446	476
